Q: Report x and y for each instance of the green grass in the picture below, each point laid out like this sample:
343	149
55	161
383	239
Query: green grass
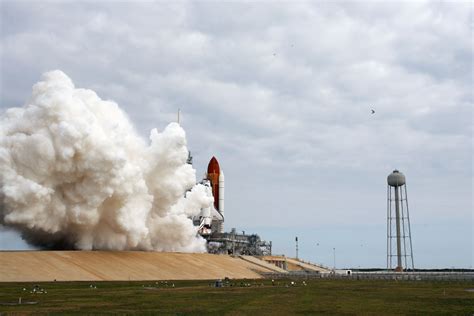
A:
331	297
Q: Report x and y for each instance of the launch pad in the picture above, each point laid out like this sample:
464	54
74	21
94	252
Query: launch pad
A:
211	221
238	244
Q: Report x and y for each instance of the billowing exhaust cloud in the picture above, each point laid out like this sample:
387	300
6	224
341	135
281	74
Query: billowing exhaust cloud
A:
74	174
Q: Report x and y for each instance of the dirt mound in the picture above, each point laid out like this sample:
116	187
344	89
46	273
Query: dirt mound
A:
17	266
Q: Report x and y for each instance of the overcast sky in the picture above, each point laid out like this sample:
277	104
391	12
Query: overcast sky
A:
281	93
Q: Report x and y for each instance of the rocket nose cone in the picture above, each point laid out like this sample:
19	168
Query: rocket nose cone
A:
213	166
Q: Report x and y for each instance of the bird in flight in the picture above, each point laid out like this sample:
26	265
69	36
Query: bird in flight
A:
373	111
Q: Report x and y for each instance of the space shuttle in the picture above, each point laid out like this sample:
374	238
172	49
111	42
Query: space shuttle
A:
212	218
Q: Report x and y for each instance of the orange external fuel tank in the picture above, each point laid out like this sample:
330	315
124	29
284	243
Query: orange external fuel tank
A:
213	172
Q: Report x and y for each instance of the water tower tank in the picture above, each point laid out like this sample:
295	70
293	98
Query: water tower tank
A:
396	179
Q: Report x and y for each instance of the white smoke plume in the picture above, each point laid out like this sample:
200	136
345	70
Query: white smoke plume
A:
74	174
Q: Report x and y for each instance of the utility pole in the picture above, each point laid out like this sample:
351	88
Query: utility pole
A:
334	252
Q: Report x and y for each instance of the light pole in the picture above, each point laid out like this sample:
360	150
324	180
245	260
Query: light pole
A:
334	253
296	240
316	258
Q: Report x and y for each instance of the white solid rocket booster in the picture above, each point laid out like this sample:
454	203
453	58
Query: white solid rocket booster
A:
221	199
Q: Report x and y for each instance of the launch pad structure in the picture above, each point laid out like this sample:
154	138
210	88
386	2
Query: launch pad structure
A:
233	243
211	221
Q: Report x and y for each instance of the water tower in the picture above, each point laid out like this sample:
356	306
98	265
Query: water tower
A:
399	244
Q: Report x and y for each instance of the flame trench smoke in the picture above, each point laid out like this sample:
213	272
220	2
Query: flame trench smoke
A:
74	174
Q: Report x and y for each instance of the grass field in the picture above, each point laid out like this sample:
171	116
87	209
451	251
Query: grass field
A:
335	297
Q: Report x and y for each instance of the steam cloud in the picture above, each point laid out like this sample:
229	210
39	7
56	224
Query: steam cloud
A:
74	174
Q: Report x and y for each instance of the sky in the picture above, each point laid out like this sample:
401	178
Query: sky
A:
281	93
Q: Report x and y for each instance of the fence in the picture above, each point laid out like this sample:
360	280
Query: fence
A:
406	276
